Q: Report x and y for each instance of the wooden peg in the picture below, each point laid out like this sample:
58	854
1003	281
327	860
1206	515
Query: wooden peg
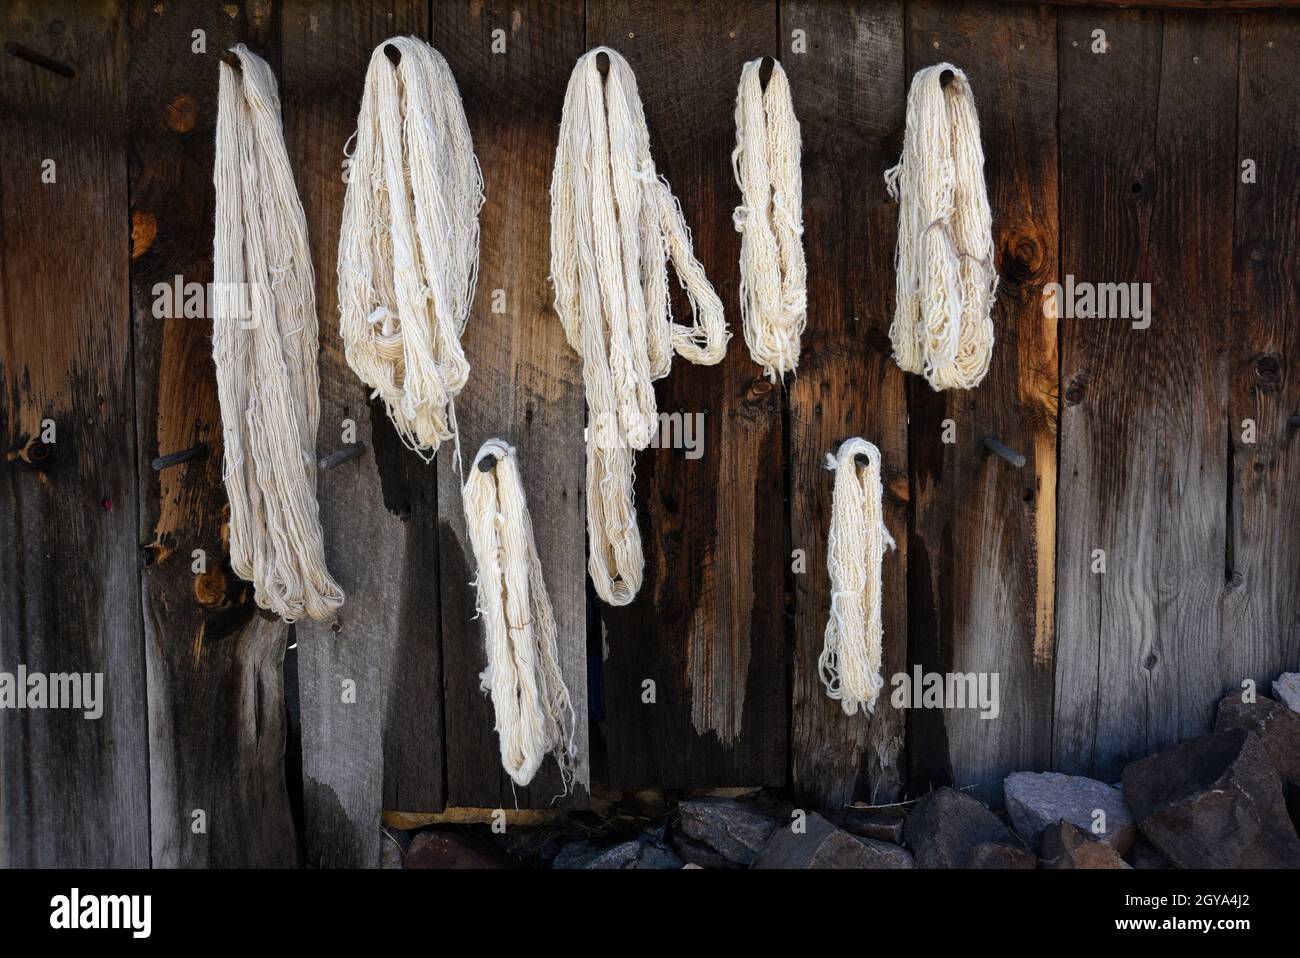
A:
197	451
346	454
39	59
996	447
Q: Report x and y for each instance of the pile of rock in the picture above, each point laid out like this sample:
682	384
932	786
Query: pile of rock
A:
1228	799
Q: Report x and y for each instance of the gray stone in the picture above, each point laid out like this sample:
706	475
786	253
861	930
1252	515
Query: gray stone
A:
1065	845
736	830
946	826
1145	856
1286	689
997	855
698	853
1213	802
884	825
822	845
451	849
642	852
1276	725
1036	800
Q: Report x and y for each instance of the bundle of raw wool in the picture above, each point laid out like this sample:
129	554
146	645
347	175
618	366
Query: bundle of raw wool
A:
855	549
534	715
946	281
773	274
266	360
408	246
615	225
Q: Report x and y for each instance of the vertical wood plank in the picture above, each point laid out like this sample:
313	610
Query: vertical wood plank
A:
849	96
73	791
1261	614
215	667
525	382
708	626
383	751
1147	147
981	560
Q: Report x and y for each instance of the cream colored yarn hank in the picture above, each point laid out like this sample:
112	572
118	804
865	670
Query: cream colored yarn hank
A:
266	362
409	242
855	548
946	281
615	226
534	714
773	272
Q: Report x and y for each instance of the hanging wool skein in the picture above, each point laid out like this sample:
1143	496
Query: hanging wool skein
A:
267	381
408	246
615	225
773	273
946	281
534	715
855	549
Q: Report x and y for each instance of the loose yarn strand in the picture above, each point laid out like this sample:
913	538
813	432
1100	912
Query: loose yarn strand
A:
850	661
773	272
265	349
945	277
615	227
409	242
534	713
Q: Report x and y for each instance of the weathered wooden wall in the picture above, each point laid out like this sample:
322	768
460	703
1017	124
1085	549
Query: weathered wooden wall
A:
1168	448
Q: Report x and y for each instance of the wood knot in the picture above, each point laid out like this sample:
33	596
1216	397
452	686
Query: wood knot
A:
144	230
1022	258
181	113
1075	391
1268	370
210	587
759	388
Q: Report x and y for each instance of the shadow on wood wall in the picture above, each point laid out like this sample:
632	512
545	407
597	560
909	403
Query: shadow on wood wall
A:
1112	157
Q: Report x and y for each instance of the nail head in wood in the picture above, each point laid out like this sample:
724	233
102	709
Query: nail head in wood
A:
197	451
998	448
346	454
39	59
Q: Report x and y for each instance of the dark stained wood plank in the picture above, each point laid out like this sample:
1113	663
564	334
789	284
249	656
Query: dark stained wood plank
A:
525	382
1261	613
384	751
1147	147
707	627
981	558
215	667
849	93
74	792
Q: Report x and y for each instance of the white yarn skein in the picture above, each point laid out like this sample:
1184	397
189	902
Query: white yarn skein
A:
773	272
855	548
615	225
946	281
267	380
409	242
534	714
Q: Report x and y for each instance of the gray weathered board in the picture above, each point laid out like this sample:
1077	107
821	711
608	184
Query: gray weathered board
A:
1167	448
